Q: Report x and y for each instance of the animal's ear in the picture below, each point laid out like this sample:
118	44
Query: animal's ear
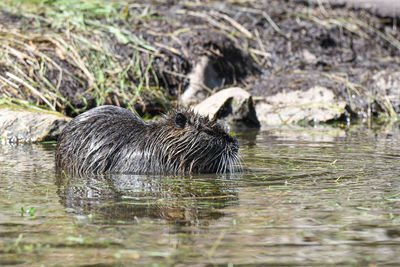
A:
180	120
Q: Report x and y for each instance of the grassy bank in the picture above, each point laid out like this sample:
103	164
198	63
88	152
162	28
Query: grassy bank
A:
60	54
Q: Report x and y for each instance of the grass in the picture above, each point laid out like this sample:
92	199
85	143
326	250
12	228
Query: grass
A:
73	40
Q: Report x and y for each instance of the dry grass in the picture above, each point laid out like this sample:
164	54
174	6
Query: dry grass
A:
69	47
68	55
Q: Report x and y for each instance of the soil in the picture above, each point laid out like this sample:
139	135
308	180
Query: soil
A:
262	46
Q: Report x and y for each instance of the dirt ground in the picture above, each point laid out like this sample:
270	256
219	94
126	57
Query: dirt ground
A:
263	46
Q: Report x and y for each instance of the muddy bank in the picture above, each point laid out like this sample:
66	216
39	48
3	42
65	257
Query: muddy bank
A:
146	54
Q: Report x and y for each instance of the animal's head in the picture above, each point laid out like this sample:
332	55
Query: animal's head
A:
194	143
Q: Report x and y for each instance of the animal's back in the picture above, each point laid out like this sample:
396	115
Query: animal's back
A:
112	139
93	141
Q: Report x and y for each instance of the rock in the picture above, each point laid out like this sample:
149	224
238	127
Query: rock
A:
234	105
220	62
381	7
202	77
387	86
317	104
308	57
20	126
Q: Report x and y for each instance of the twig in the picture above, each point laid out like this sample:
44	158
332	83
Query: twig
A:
274	26
33	90
235	24
216	243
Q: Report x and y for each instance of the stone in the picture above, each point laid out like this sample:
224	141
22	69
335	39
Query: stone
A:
382	7
387	86
317	104
25	126
202	77
233	105
308	57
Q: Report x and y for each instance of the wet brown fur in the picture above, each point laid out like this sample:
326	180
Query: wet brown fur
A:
113	139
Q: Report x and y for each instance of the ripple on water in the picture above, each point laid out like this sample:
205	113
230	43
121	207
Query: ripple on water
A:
308	197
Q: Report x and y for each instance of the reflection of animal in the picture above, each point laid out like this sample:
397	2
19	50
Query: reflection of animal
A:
114	197
113	139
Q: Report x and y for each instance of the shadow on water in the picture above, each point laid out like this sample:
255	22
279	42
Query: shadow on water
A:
124	198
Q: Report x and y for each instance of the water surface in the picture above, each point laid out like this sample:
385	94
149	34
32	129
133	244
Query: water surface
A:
309	197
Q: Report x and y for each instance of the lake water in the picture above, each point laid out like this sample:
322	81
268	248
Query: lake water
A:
310	197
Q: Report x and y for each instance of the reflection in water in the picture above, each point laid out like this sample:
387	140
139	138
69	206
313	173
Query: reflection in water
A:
313	197
126	197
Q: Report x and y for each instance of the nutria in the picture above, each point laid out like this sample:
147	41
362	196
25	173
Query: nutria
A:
110	139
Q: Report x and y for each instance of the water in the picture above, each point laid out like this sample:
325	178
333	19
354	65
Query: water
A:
310	197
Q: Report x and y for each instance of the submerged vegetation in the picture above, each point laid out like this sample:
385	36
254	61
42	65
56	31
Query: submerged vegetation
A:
72	55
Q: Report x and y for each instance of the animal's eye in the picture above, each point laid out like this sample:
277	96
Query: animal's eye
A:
209	132
180	120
